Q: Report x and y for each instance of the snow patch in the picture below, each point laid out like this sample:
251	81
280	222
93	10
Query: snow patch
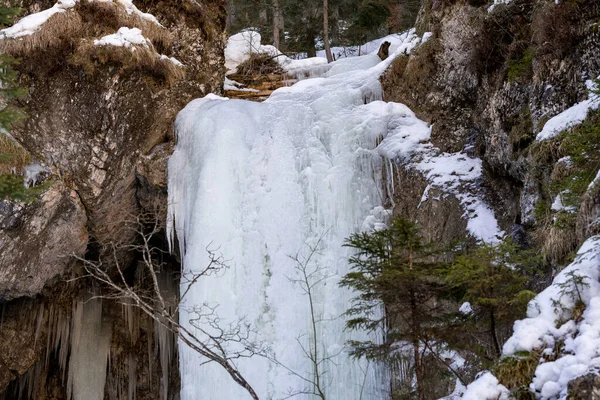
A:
459	175
572	116
486	387
32	23
34	173
241	45
595	181
558	205
171	59
466	308
496	3
125	37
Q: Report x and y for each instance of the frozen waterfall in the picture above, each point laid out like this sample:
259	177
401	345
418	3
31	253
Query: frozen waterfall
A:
265	182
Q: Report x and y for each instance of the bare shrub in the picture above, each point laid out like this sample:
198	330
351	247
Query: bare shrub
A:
216	343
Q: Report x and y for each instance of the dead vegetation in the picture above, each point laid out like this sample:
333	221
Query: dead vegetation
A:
13	157
259	64
69	36
90	57
86	19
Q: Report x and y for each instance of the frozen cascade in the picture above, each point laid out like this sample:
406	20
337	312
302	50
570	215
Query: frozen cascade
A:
262	182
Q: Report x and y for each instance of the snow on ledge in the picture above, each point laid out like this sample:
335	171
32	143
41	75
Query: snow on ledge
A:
459	174
125	37
571	117
130	38
33	22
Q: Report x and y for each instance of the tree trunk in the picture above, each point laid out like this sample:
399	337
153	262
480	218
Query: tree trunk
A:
326	31
493	333
276	23
416	339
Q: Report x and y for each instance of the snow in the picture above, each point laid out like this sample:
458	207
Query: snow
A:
459	175
33	173
396	40
236	86
262	181
557	204
171	59
459	390
466	308
33	22
124	37
549	322
595	181
241	45
485	387
497	2
130	38
571	117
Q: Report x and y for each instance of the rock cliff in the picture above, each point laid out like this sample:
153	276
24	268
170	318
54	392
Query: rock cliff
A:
100	120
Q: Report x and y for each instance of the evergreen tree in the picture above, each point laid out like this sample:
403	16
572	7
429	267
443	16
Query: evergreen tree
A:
494	279
10	185
395	269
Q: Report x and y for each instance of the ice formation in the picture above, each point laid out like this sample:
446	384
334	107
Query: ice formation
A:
262	182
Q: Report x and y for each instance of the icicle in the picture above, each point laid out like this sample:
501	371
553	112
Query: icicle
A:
131	315
38	325
132	380
150	335
90	349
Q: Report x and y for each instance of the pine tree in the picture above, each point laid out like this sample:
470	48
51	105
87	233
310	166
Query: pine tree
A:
10	185
494	278
397	269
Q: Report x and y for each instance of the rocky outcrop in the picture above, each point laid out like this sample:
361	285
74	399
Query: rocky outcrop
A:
38	241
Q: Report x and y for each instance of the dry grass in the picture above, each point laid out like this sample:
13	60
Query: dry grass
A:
59	30
90	57
13	157
86	20
557	242
70	36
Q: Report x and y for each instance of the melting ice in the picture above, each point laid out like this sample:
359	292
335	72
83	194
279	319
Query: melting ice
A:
265	181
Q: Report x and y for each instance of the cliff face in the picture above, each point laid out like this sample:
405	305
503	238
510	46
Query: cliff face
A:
488	82
494	83
99	118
